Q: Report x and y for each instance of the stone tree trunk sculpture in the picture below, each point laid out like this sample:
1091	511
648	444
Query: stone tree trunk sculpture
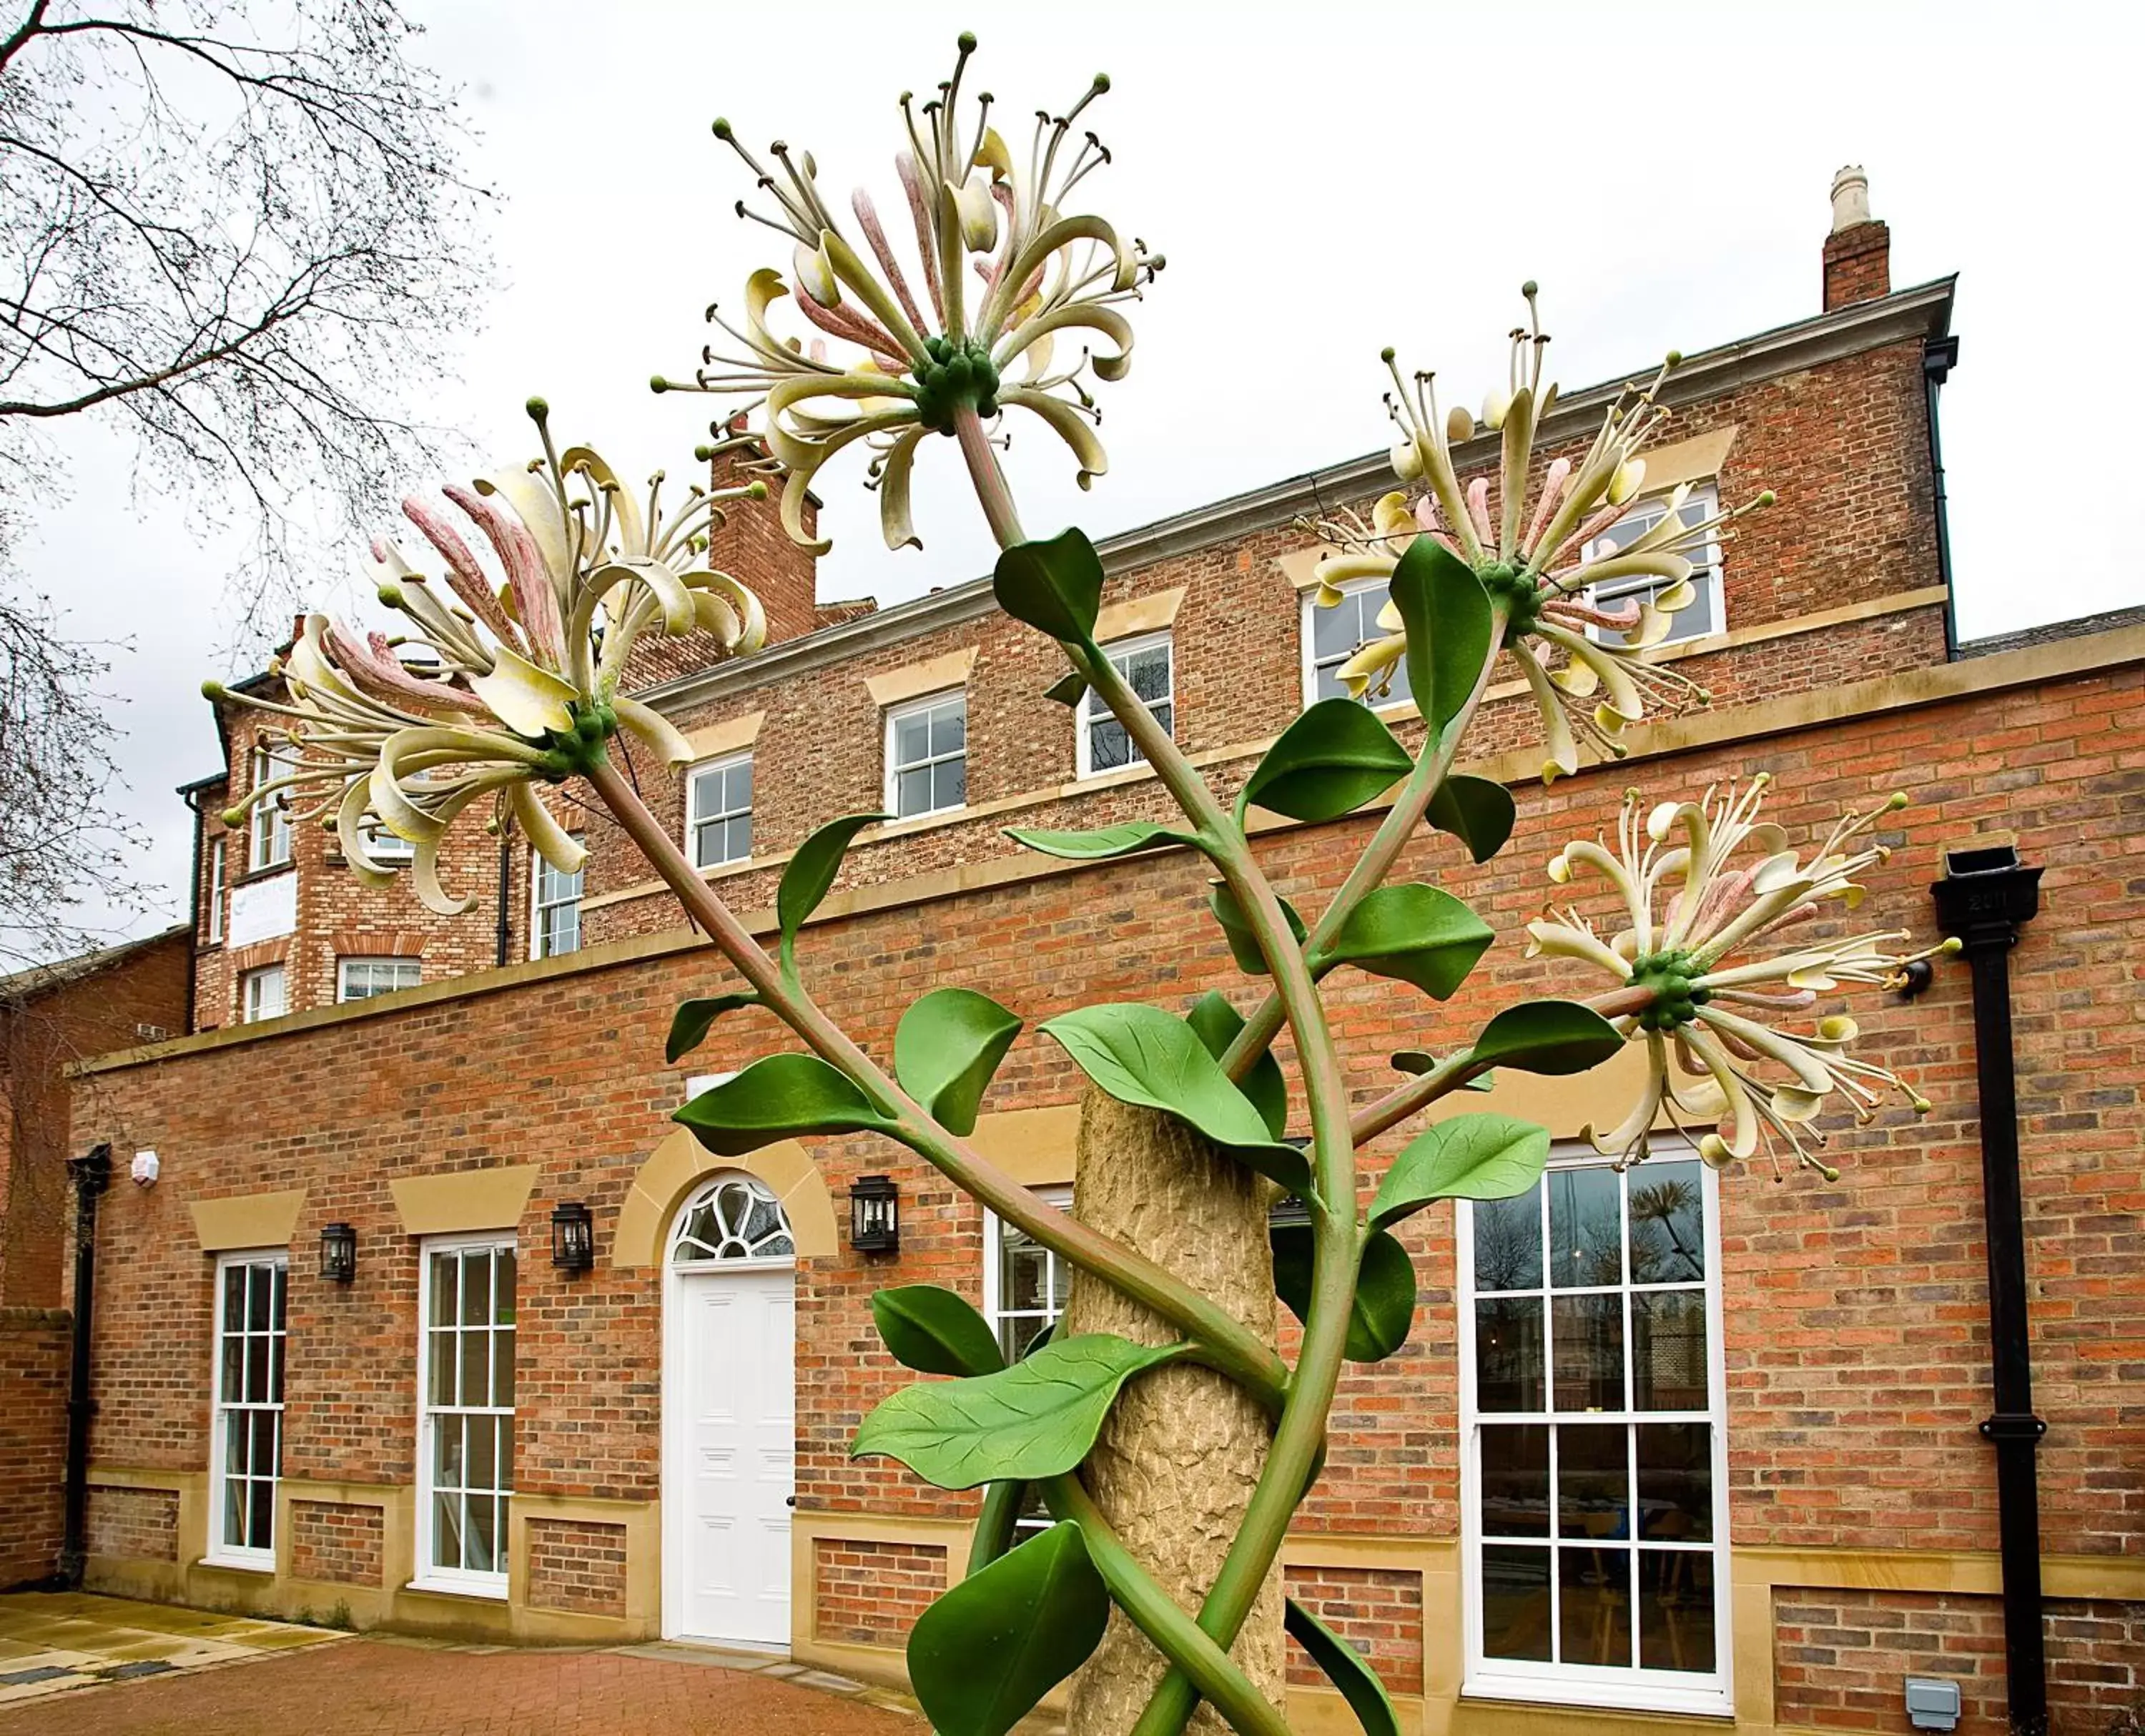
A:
1161	1425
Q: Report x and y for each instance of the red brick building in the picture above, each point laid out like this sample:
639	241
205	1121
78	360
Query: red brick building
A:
1772	1505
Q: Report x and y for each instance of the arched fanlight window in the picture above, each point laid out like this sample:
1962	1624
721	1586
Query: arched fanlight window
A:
733	1216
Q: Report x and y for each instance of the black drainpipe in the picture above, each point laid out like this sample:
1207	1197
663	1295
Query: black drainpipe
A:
506	880
1939	356
92	1176
1986	897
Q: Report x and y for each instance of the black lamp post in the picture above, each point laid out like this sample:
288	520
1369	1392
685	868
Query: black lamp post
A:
573	1237
875	1215
338	1253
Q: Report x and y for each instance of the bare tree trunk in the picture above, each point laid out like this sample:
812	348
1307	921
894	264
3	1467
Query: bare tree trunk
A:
1174	1468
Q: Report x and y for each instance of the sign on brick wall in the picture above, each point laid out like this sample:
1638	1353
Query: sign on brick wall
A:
263	910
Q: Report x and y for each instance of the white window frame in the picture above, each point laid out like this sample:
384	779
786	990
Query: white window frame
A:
258	1558
1310	608
908	708
268	830
1091	711
538	905
467	1582
1705	574
249	982
693	779
219	847
388	848
1577	1684
369	959
1060	1271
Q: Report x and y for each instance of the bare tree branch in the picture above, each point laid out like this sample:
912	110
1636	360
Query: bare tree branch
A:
240	231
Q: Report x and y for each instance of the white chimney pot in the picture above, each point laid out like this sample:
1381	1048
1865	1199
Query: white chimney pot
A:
1851	198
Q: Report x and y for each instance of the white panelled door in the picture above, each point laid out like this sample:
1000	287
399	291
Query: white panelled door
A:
729	1408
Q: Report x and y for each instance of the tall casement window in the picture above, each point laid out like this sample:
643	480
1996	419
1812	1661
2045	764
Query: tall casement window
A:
1593	1517
927	756
217	848
1025	1288
466	1414
360	979
1704	613
554	917
1146	664
246	1443
719	812
1331	636
269	835
262	994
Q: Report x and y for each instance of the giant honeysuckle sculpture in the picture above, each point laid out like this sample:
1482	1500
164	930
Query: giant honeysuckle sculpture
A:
501	684
1720	948
897	372
1539	566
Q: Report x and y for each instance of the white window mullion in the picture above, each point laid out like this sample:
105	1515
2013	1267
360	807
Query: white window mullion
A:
1104	744
467	1315
1623	1559
719	812
927	756
245	1413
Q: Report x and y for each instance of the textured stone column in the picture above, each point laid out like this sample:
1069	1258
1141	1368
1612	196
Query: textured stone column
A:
1177	1461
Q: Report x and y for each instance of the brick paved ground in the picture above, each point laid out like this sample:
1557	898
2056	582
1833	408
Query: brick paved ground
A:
378	1685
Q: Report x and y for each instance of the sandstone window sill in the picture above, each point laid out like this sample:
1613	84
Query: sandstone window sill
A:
480	1593
263	1565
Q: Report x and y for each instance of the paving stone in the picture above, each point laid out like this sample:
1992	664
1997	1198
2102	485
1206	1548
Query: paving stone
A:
368	1687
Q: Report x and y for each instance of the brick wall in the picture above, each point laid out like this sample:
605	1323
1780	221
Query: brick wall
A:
1840	1658
870	1594
1843	445
135	1524
577	1566
340	1541
1856	1348
34	1344
337	916
48	1022
1378	1612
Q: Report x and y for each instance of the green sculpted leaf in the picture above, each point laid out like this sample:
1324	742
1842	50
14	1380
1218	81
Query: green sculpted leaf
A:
981	1657
945	1050
1548	1036
1037	1419
1216	1023
1328	762
1243	944
1449	623
1477	811
1097	845
935	1332
782	1096
1056	585
1415	933
811	870
1345	1667
1384	1307
1067	689
1469	1158
693	1019
1140	1056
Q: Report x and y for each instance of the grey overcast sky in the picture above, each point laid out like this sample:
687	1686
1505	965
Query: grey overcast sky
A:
1325	180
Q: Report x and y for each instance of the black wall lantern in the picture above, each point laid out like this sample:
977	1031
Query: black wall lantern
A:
338	1253
573	1237
875	1215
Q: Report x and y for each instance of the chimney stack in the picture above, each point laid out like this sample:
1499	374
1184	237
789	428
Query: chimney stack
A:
1857	253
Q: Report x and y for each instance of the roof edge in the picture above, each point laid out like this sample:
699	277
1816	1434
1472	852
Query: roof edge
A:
1921	310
